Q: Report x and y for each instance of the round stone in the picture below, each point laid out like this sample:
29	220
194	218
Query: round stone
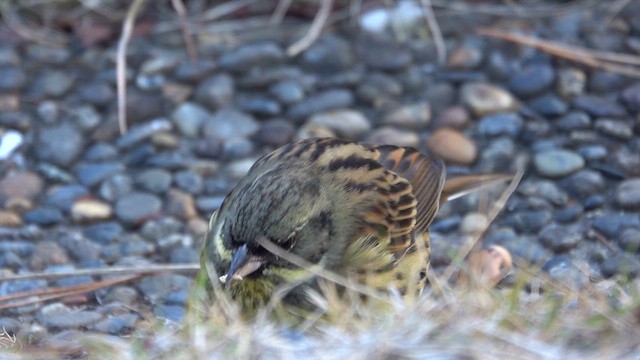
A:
484	99
345	123
412	116
627	194
558	162
452	146
137	206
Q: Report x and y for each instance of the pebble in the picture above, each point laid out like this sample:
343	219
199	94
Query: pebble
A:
345	123
287	92
484	99
629	239
43	216
549	105
532	80
174	313
276	132
20	185
100	152
452	146
610	224
631	97
229	123
560	238
571	82
377	89
90	210
614	128
115	187
391	135
60	144
154	180
63	196
189	181
103	233
123	324
144	105
509	124
599	106
216	91
59	316
12	78
465	57
562	269
96	93
545	189
584	183
55	83
621	263
91	174
189	118
137	207
47	253
157	229
557	162
575	120
155	288
10	219
383	54
257	104
328	55
245	57
188	71
131	246
456	117
627	194
412	116
322	101
474	223
180	204
140	132
9	142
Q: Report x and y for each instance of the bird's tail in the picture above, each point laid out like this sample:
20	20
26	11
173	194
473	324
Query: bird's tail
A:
465	184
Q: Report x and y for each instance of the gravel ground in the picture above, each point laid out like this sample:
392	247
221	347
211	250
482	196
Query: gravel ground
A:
75	194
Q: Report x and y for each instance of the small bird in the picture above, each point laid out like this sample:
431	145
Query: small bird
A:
359	211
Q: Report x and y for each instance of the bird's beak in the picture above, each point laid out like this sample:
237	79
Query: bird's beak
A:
242	264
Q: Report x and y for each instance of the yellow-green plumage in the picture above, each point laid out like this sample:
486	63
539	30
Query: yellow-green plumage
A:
359	211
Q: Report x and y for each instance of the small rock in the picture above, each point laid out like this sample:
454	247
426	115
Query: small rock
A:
189	181
115	187
571	82
9	142
549	105
257	104
389	135
287	92
575	120
509	124
63	196
47	253
383	54
90	210
599	106
322	101
216	91
345	123
275	132
532	80
122	324
141	132
12	78
60	144
631	97
10	219
229	123
412	116
629	239
621	263
55	83
562	269
247	56
43	216
530	221
103	233
456	117
474	223
101	152
614	128
91	174
378	89
584	183
58	316
452	146
561	238
23	184
189	118
155	180
96	93
464	57
328	55
156	288
609	224
137	206
558	162
484	99
627	194
180	204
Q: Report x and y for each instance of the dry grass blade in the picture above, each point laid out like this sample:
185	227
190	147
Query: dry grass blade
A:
59	292
317	270
493	213
121	62
280	11
602	60
29	31
441	49
531	11
180	9
191	267
314	31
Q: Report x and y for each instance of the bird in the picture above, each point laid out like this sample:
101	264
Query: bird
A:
356	210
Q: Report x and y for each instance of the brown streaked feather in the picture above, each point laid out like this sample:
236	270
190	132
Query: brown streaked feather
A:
425	174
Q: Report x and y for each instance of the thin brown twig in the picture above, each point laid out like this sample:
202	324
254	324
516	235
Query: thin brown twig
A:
121	62
532	11
29	32
314	30
56	293
596	59
434	28
187	34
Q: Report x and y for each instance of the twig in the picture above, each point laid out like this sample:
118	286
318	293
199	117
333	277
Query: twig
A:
211	14
600	237
28	32
280	11
121	62
615	9
596	59
314	31
434	28
525	11
178	5
190	267
493	213
60	292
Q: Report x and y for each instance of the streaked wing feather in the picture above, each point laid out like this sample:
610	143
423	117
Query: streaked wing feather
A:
463	185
